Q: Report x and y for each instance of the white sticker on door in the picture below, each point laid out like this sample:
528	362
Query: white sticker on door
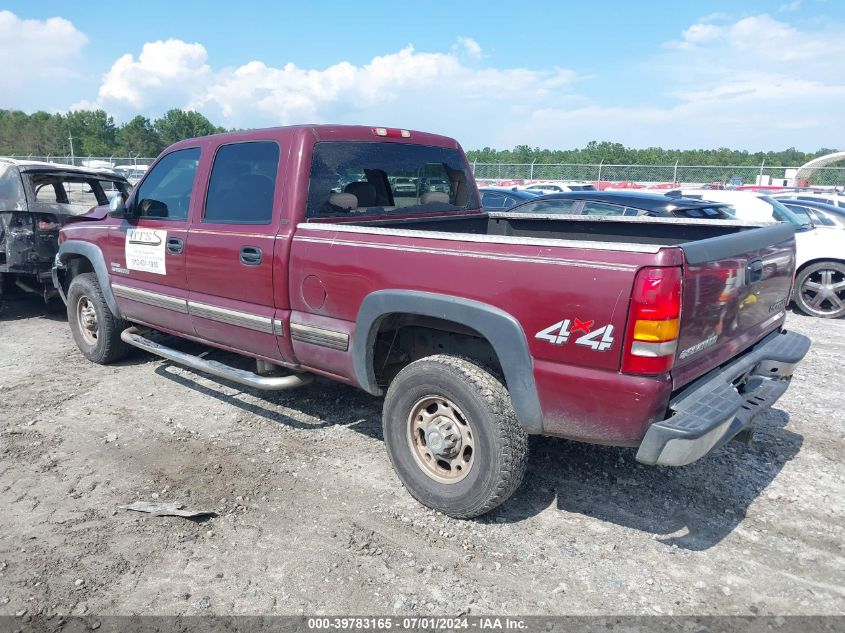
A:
145	250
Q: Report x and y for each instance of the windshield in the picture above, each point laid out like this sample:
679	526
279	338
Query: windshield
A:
376	178
782	214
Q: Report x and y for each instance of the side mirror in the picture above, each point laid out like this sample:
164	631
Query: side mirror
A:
117	206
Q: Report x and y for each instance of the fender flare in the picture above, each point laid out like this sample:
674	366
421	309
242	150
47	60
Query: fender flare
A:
94	255
501	329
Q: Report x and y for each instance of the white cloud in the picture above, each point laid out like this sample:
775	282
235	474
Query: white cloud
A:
408	88
470	46
38	57
164	69
699	33
790	6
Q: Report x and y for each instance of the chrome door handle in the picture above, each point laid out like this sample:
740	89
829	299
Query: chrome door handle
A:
250	255
175	245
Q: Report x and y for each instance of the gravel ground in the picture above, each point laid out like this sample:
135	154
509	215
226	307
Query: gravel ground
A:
311	518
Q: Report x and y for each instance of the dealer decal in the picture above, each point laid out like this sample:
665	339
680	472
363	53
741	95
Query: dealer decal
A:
145	250
599	339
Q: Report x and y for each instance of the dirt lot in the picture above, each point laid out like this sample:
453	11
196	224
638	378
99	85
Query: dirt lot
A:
313	520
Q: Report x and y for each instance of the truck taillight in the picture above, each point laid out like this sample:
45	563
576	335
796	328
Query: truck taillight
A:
653	322
391	132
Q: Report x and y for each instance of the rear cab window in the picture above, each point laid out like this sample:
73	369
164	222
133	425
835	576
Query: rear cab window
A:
351	179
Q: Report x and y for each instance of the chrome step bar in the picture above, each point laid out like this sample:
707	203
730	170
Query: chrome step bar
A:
133	336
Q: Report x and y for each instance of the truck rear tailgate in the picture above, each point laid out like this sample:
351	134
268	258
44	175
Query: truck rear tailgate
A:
735	291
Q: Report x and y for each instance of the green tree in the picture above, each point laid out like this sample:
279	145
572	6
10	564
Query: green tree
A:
138	137
93	131
177	125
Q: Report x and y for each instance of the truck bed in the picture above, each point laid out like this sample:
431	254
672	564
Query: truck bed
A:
643	231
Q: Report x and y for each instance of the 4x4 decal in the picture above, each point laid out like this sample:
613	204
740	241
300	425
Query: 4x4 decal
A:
599	340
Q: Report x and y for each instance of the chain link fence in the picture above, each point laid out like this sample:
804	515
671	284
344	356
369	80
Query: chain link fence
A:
681	175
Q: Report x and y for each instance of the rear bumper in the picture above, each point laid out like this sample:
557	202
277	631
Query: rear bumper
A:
722	403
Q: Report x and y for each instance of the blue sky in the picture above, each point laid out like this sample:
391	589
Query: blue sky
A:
755	75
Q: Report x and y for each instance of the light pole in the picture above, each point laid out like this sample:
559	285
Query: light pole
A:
70	138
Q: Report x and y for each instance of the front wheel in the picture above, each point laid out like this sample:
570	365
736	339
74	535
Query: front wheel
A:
95	329
452	436
820	290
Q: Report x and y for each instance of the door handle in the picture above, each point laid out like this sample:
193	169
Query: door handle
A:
755	270
175	245
250	255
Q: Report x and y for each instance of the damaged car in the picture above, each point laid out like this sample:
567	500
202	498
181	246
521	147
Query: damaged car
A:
36	199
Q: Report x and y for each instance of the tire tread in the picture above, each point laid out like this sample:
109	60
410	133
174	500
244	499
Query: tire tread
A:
110	326
512	440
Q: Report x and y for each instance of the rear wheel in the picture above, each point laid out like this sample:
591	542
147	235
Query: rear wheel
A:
95	329
452	436
820	290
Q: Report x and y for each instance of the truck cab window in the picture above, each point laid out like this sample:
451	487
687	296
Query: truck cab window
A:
242	184
374	178
166	191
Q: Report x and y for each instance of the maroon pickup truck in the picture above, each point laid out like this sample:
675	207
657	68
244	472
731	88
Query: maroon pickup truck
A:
293	246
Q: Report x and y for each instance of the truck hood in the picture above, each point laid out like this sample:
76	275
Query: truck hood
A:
95	213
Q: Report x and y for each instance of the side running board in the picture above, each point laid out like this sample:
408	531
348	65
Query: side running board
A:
132	336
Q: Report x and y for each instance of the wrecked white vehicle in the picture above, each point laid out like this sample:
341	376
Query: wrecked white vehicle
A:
36	199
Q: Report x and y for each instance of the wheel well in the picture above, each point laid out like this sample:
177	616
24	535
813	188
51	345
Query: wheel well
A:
74	266
818	261
404	338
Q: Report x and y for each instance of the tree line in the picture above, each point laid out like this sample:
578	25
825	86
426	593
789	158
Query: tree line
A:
617	154
94	133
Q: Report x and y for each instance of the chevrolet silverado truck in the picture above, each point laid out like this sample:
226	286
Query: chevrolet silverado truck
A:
291	246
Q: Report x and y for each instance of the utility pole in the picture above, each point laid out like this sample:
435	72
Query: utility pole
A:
70	138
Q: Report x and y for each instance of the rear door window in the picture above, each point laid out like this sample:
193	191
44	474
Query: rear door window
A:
704	213
545	207
493	201
242	185
602	208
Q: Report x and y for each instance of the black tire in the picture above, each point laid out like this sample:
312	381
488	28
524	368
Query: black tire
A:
105	346
815	292
500	445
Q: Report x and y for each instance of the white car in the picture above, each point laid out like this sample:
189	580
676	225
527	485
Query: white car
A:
820	254
559	186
